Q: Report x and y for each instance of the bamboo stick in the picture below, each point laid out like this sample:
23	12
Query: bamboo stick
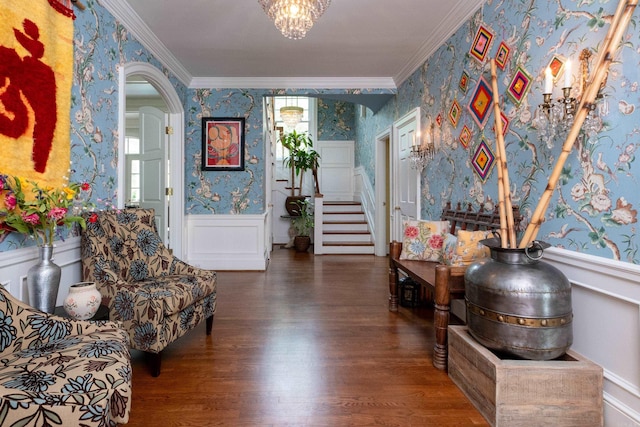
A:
588	97
506	188
498	129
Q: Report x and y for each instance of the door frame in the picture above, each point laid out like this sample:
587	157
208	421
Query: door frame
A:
396	223
176	146
382	181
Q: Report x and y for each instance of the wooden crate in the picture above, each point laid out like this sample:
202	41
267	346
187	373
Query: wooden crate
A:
511	393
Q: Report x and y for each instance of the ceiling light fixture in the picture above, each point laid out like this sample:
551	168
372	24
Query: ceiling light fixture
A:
294	17
291	116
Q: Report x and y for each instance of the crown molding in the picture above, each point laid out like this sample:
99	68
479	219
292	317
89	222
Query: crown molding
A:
294	82
446	29
121	10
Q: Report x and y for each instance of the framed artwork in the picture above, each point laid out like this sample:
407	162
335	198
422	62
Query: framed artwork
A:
483	160
481	43
505	124
223	143
480	104
519	85
502	56
557	66
464	82
465	136
439	119
454	113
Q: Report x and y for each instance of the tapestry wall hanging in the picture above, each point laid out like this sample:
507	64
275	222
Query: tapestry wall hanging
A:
483	160
36	70
481	43
519	85
480	104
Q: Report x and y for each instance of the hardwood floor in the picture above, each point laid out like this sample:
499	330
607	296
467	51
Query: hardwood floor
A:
309	342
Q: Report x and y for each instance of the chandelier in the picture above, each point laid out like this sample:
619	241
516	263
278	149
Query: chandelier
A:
294	17
291	116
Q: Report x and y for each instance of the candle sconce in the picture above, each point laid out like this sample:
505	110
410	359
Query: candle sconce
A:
422	152
553	119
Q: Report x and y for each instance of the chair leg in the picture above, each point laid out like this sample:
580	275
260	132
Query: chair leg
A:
209	324
154	360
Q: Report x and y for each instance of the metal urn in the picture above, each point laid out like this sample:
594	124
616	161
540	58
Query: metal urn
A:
43	280
519	304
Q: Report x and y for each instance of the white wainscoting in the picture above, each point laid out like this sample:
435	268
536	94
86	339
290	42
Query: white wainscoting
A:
606	326
14	266
227	242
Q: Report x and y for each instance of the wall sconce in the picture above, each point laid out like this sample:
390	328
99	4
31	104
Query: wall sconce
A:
553	119
422	152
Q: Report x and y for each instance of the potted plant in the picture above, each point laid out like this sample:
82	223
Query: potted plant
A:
303	224
301	158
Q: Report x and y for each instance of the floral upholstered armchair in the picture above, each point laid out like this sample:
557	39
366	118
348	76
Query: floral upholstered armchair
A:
57	371
156	296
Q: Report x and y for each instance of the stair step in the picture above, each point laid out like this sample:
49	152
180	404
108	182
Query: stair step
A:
332	207
348	250
347	244
348	236
343	216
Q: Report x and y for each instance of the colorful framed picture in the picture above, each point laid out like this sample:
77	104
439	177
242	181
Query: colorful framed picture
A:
502	55
454	113
465	136
481	43
464	82
505	124
480	104
223	143
439	119
557	66
519	85
483	160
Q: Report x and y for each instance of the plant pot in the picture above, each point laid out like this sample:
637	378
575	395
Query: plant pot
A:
291	205
302	243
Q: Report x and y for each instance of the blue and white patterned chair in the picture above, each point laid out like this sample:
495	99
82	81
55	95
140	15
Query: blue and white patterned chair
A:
57	371
157	297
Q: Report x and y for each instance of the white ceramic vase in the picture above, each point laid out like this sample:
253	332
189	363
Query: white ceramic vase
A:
83	300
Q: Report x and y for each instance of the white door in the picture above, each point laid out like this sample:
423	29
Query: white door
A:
336	172
153	167
405	196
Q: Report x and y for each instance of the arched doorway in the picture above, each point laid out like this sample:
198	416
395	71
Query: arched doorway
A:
176	147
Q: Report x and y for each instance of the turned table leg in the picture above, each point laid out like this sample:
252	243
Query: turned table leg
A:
441	316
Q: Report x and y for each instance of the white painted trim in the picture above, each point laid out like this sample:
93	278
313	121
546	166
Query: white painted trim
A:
227	242
382	162
460	12
293	82
176	149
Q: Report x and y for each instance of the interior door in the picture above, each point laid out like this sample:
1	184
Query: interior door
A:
153	167
405	178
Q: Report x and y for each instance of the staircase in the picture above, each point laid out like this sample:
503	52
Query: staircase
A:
345	229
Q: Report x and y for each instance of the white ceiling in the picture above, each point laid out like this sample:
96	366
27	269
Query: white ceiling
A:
232	43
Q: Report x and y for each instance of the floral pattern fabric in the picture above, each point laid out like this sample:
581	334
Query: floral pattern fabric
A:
465	247
57	371
423	240
157	297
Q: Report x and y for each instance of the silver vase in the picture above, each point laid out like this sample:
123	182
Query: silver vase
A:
43	280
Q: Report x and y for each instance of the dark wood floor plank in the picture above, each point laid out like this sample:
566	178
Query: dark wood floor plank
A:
309	342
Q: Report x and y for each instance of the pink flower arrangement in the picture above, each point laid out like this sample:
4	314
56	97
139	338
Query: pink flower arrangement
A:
40	213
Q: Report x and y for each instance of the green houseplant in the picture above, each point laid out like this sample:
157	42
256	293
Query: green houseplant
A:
302	157
303	223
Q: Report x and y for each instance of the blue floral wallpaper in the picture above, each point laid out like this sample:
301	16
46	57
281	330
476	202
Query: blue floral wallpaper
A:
336	120
594	208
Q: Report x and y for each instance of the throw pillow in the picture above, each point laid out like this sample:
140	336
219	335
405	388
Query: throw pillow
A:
468	248
422	240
